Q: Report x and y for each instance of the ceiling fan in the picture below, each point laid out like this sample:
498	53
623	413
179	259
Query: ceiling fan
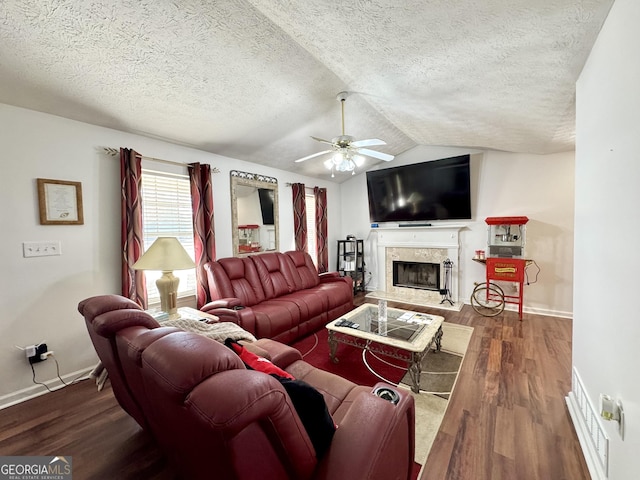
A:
347	151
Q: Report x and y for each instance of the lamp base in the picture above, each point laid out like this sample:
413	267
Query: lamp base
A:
168	288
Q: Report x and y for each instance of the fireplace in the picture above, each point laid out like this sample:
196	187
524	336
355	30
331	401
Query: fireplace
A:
418	244
421	275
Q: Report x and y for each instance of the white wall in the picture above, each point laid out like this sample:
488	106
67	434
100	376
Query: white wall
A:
606	332
540	187
40	295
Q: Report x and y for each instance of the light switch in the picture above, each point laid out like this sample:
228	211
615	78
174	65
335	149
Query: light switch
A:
41	249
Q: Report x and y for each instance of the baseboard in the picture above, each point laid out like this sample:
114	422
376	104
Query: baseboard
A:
379	294
35	391
591	435
544	311
539	311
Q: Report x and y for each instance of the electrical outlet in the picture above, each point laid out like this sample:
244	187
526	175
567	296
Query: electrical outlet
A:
30	351
46	355
38	351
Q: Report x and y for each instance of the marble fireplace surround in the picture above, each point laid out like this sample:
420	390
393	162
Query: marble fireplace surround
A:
433	244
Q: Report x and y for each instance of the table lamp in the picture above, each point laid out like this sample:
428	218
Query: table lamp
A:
166	254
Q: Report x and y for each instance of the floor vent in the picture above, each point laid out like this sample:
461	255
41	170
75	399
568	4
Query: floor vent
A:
586	419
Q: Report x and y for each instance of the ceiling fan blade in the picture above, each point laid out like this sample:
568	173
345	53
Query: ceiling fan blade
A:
372	153
322	140
308	157
368	143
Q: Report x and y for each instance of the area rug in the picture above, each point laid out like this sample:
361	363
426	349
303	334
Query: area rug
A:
354	364
439	374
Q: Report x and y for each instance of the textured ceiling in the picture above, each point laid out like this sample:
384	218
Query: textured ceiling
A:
253	79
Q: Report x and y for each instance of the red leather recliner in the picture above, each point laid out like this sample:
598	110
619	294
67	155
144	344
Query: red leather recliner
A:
216	419
105	317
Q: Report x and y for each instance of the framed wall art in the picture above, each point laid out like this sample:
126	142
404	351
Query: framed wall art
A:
60	202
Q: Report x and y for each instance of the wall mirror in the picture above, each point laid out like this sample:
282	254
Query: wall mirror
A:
254	213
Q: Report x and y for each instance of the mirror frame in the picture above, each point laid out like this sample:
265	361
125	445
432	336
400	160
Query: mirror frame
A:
257	181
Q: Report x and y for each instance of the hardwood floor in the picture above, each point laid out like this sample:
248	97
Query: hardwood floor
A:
90	427
507	418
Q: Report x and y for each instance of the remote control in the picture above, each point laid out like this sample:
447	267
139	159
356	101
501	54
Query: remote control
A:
347	323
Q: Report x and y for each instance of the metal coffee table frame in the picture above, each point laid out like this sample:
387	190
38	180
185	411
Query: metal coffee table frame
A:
411	351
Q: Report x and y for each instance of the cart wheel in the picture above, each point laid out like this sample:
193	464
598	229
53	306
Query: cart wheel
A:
488	299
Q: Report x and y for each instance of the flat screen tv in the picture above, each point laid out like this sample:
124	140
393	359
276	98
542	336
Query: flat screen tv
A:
266	205
435	190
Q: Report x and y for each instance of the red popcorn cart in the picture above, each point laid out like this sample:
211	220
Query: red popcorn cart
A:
505	262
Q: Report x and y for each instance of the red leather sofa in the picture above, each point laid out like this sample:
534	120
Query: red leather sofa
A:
214	418
276	295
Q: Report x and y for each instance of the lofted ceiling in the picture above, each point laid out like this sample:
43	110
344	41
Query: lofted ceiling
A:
254	79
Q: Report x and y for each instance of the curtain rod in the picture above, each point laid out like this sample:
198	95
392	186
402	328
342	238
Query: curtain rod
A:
288	184
114	151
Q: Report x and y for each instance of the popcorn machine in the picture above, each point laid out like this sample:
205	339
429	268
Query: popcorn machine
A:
506	236
505	262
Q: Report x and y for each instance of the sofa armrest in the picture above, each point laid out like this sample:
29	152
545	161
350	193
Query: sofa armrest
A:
335	277
280	354
244	317
375	440
328	276
222	303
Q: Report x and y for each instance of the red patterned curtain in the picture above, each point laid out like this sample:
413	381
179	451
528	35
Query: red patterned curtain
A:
320	195
299	216
204	237
133	281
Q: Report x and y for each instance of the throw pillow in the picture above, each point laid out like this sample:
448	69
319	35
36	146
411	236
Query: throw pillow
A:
255	362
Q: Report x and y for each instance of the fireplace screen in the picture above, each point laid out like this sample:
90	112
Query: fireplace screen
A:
421	275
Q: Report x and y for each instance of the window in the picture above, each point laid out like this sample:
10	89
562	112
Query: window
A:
312	247
166	212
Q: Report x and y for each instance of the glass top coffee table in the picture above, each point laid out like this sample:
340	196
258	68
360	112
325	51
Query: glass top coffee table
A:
406	336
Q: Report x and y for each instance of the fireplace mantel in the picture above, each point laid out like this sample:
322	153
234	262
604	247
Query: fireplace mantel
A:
442	241
441	236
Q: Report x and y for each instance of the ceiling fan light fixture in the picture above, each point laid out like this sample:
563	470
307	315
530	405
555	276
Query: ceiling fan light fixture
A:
346	165
347	153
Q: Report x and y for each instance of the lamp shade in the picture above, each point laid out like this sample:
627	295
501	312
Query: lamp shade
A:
165	254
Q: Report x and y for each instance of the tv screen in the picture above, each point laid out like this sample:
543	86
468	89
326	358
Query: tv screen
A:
436	190
266	205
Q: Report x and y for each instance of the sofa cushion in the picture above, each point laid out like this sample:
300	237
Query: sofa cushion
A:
233	277
304	267
186	351
335	293
275	274
277	319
